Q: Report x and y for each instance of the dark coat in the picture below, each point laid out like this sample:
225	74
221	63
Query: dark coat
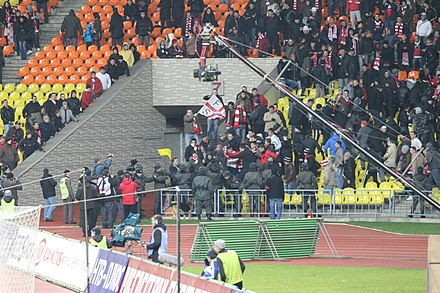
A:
7	114
165	9
91	192
71	26
116	25
197	6
178	9
275	187
48	185
144	26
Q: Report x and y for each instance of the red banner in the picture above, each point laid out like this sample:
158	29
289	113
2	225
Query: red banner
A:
145	277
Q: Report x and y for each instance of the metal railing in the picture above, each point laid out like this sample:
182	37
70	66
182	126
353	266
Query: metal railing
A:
296	203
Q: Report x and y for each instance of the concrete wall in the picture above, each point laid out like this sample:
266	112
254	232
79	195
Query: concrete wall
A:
174	84
125	120
122	121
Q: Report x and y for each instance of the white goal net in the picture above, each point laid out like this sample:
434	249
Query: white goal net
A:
18	231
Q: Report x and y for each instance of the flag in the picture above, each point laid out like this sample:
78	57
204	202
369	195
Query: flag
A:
213	108
164	152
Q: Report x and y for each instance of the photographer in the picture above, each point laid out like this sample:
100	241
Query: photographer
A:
99	165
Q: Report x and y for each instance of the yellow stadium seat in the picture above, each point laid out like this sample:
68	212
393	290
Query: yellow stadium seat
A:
296	199
9	88
26	96
80	87
1	87
283	103
14	96
69	87
39	95
362	196
32	88
58	87
20	102
323	199
386	189
3	96
337	197
349	196
45	88
21	88
286	199
320	101
371	186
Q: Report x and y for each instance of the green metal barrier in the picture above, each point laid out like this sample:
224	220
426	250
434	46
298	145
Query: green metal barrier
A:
240	236
288	238
274	239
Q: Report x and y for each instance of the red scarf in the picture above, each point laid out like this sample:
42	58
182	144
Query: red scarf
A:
332	32
328	63
295	4
389	11
188	26
343	35
376	63
196	126
398	30
239	116
317	4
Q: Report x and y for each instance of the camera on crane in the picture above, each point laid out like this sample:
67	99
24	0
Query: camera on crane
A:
206	72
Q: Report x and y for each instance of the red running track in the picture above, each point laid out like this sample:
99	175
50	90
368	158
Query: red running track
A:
356	247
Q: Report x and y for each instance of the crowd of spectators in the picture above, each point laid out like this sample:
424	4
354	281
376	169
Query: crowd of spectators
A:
43	121
22	29
263	143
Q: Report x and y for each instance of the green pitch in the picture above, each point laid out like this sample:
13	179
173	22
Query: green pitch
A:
281	278
402	227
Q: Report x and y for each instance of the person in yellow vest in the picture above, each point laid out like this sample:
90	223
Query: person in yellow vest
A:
99	240
68	198
8	200
230	266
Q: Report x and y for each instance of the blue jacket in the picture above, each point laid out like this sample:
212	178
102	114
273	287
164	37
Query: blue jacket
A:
88	38
330	144
99	167
211	271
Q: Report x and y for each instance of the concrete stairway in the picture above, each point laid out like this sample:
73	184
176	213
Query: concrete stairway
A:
47	32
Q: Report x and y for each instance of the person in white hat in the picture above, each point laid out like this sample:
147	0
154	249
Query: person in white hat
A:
423	27
230	266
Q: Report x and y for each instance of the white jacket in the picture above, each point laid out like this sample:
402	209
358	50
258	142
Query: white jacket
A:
424	28
105	80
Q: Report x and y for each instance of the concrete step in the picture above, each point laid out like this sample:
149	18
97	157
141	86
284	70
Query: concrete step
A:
47	32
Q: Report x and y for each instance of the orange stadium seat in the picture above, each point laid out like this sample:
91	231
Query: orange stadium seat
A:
84	55
54	62
51	79
81	71
73	55
63	79
77	62
40	79
28	79
23	71
35	71
69	70
45	71
58	70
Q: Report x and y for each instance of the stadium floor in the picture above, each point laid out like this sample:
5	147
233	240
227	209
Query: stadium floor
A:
356	247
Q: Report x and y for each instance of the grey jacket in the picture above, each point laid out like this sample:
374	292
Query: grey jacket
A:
202	188
67	116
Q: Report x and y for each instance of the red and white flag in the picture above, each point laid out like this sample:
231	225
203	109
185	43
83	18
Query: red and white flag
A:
213	108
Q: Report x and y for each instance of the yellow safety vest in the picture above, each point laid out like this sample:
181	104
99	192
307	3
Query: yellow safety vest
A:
8	204
231	266
101	244
63	188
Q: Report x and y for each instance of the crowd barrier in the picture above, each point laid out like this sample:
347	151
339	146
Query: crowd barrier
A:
62	261
254	239
346	202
